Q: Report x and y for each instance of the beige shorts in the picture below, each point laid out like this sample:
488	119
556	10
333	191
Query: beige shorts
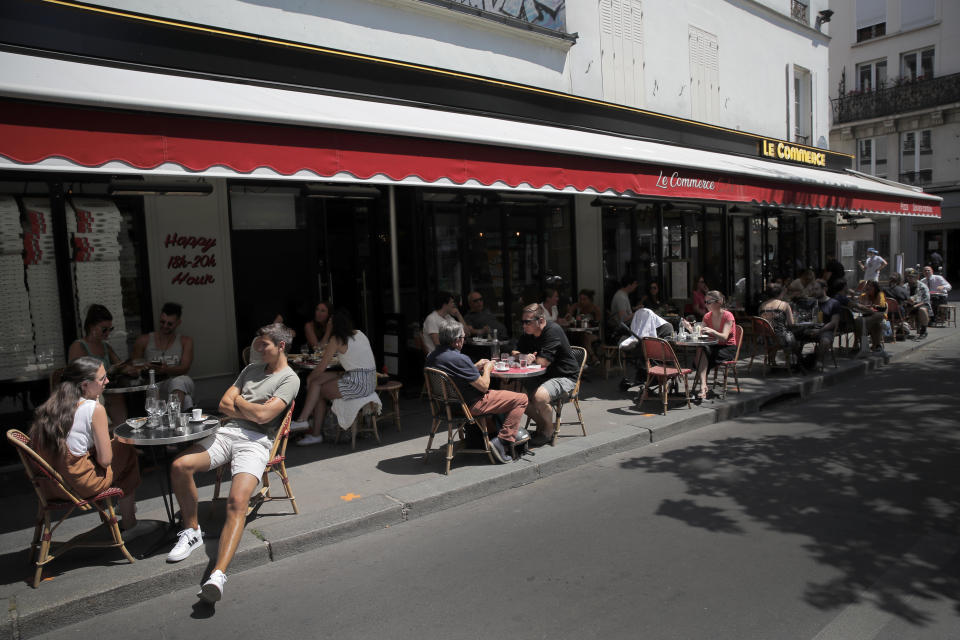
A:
246	451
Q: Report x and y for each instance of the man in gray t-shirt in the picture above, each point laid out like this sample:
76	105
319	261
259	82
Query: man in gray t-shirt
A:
254	406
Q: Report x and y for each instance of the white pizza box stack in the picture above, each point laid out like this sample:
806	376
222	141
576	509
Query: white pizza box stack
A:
95	225
45	314
38	232
16	339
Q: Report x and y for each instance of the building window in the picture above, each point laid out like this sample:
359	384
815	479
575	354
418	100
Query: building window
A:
872	156
917	65
916	13
802	105
621	51
800	11
871	19
916	157
871	75
704	52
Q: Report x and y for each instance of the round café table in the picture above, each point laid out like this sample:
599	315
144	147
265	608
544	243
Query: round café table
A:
161	436
514	375
695	344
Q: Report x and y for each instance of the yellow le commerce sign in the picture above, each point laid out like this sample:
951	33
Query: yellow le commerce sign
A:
792	153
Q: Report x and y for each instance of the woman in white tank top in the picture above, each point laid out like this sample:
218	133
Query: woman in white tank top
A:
357	380
70	432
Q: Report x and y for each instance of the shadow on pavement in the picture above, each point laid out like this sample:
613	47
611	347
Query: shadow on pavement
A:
870	484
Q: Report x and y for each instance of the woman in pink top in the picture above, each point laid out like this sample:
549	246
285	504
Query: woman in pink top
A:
718	323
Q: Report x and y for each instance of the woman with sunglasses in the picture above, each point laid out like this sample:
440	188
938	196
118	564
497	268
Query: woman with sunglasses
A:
718	323
97	327
70	432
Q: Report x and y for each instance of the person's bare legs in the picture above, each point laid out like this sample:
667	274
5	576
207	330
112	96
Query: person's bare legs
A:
192	460
315	382
702	372
242	487
539	409
328	390
127	505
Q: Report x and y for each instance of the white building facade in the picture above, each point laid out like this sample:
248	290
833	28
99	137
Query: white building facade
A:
374	152
895	89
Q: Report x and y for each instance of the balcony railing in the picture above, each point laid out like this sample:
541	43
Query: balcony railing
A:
799	11
900	97
917	178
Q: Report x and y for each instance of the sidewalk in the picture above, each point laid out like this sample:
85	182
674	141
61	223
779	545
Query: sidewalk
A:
343	494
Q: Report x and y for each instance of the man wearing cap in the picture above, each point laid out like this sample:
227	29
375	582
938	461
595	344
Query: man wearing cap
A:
873	265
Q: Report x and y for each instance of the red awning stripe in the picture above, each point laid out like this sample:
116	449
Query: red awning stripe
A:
31	134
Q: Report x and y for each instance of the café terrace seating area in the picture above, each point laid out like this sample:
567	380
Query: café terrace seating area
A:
381	461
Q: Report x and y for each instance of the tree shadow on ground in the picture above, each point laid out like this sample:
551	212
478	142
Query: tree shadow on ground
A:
872	484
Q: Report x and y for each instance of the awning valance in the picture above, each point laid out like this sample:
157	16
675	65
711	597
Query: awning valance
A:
38	136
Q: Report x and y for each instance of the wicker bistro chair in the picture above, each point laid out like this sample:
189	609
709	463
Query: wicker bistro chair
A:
573	398
730	364
763	337
662	365
41	474
448	406
847	329
277	465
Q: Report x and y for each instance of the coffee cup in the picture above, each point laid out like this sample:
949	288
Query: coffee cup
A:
197	414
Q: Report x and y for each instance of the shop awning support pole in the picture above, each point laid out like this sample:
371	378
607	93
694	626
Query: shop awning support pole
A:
394	257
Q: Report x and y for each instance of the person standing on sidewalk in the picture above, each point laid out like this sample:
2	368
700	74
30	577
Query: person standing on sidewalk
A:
254	407
873	265
473	381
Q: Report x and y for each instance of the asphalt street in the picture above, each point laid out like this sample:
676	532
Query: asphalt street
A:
831	518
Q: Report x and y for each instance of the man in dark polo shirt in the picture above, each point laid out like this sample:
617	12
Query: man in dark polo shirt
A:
473	381
546	344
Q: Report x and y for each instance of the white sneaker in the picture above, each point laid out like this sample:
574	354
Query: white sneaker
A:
212	589
189	539
299	425
309	439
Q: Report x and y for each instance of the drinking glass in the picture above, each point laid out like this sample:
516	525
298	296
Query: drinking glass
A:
153	410
173	408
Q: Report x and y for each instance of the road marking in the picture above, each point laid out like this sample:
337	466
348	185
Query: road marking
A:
864	620
350	496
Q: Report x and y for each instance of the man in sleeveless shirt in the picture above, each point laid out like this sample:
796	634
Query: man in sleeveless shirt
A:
169	354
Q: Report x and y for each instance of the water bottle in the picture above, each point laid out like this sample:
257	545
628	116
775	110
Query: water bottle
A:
152	403
495	350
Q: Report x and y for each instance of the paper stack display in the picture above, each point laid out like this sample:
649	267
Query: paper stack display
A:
41	268
16	339
94	225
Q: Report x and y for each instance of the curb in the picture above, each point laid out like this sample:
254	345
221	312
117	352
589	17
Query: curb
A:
33	613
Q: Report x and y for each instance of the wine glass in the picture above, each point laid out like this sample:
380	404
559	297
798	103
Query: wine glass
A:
153	409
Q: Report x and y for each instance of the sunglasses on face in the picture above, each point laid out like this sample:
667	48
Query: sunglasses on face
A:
528	321
711	301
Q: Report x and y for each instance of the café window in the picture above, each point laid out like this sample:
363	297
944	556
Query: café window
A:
916	157
917	65
871	76
872	156
106	263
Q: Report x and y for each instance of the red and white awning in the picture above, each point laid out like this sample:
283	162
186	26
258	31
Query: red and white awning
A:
236	131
